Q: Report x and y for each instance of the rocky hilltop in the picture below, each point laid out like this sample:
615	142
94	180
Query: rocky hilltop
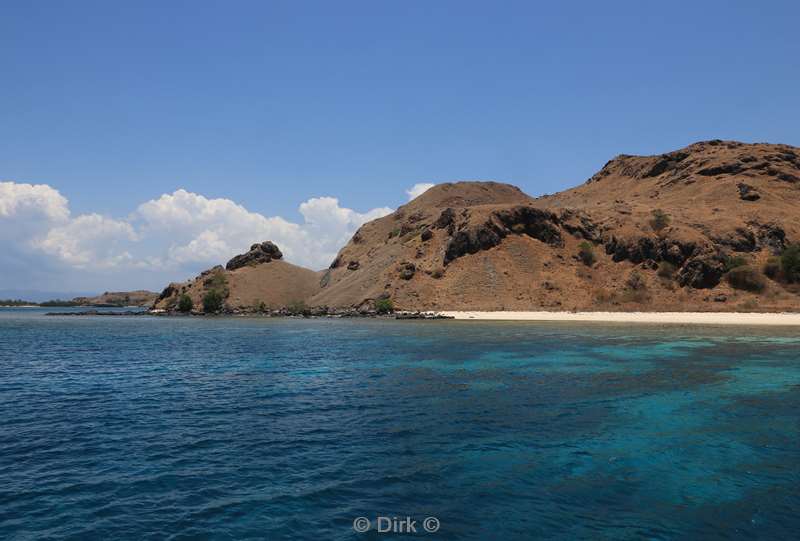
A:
697	229
258	280
645	233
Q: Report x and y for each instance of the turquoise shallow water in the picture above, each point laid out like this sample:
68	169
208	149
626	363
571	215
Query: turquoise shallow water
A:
157	428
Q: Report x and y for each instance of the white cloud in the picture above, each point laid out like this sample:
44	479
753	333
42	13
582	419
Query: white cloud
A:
329	226
32	200
171	237
89	240
212	231
418	189
202	230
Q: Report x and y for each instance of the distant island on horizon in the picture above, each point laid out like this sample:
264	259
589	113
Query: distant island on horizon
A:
109	299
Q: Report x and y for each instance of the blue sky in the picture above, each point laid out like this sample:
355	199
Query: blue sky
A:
270	104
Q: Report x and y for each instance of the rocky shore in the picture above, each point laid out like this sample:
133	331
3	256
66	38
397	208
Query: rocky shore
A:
283	313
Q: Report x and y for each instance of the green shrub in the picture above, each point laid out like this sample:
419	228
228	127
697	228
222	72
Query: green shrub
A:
586	254
790	263
384	306
298	308
772	267
748	305
603	296
660	220
734	262
635	289
666	270
185	303
218	282
635	281
212	302
746	278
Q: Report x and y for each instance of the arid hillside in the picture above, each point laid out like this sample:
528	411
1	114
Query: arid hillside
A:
693	229
256	280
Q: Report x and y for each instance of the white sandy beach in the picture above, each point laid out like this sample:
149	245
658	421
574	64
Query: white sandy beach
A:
697	318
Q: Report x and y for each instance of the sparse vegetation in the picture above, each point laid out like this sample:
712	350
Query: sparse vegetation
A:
586	254
59	303
261	307
660	220
217	281
772	268
603	296
748	305
16	302
384	306
217	291
185	303
212	302
666	270
733	262
635	281
790	263
747	278
298	308
635	288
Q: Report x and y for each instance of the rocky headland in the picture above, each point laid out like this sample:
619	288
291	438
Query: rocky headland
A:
709	227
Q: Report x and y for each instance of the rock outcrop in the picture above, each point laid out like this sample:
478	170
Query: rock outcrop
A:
256	280
486	245
644	233
259	253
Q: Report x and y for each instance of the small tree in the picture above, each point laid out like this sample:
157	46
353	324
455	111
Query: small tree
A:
384	306
790	263
586	254
635	281
212	302
185	303
635	288
660	220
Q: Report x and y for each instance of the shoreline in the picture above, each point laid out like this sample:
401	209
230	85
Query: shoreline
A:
690	318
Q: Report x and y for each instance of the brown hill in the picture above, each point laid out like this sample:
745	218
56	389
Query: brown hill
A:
257	279
119	298
662	230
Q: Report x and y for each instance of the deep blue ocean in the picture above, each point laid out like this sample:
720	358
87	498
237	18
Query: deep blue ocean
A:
147	428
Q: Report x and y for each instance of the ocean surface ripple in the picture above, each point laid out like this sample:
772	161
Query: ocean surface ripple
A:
235	428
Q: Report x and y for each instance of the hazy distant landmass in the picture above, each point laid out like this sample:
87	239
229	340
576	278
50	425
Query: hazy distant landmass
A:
34	295
703	228
115	298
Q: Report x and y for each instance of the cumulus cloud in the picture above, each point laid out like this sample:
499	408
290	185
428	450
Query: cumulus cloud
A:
89	240
171	237
203	230
32	200
328	227
418	189
28	210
